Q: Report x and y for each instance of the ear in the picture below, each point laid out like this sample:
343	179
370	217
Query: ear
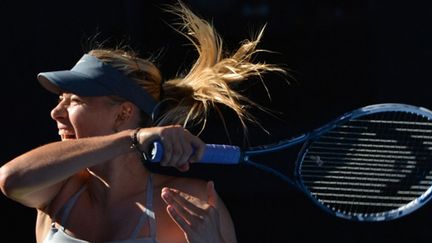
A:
124	114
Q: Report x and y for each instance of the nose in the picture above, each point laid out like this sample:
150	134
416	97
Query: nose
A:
59	112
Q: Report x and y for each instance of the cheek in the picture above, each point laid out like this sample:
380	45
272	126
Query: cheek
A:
90	123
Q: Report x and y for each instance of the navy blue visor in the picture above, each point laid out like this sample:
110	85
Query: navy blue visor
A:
92	77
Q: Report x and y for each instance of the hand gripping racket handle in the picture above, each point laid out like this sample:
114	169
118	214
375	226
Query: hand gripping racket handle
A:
213	154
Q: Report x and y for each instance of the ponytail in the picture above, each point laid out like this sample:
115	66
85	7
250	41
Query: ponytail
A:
211	78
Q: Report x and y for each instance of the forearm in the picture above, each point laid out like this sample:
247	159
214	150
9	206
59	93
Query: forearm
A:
53	163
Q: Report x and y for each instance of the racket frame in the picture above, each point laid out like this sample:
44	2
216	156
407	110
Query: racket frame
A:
307	138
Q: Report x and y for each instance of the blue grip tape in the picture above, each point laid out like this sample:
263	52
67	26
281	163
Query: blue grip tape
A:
213	154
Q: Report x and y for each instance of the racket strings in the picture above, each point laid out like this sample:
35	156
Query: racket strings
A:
370	165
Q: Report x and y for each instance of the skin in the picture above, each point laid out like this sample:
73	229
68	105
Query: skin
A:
95	151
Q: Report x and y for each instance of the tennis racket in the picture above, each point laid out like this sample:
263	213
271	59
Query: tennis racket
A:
371	164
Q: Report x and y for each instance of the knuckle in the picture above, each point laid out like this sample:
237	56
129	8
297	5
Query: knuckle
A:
177	152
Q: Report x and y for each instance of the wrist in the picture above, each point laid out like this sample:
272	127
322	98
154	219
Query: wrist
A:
135	144
134	139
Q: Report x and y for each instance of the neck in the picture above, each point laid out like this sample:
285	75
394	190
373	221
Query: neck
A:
117	179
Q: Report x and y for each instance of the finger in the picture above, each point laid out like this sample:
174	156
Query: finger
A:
171	157
168	137
199	148
165	196
167	151
193	204
183	167
145	136
212	198
177	148
187	213
187	150
180	221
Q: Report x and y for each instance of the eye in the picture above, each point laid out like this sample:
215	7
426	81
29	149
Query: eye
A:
75	101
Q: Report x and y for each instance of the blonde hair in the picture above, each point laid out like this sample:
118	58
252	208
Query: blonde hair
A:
209	81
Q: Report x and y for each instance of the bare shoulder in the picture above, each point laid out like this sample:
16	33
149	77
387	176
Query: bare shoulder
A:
193	186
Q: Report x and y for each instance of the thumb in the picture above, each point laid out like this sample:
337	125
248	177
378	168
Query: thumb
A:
212	194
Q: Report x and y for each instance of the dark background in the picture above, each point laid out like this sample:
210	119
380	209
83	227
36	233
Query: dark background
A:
343	55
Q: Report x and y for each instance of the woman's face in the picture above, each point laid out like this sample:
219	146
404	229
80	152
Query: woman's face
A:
79	117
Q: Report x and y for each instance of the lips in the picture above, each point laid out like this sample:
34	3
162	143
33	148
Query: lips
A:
66	134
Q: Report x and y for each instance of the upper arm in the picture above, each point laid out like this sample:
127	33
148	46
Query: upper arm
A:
43	199
40	199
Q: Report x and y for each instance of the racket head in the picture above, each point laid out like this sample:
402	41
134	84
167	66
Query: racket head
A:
371	164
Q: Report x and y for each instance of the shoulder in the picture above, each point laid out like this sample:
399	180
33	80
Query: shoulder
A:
192	186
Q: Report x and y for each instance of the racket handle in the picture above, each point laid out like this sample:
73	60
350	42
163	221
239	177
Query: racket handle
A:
213	154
